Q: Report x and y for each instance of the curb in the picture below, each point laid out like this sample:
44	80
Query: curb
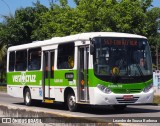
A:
16	112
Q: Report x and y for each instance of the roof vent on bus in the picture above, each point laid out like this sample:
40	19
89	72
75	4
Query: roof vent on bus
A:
55	37
35	41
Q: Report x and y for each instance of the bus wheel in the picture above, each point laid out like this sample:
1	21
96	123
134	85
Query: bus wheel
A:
27	97
119	107
71	102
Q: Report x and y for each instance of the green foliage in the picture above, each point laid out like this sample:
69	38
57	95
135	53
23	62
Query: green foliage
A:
3	88
76	2
3	50
19	29
39	22
63	2
156	99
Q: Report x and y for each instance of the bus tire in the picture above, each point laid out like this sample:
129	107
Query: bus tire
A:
71	103
119	107
27	97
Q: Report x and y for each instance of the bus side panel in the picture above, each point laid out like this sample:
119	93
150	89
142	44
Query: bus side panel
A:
36	92
15	90
59	93
16	81
61	82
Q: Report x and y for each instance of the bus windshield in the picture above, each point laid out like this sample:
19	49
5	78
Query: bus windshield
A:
123	56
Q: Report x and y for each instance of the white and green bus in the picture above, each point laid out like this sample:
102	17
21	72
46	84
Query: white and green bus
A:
97	68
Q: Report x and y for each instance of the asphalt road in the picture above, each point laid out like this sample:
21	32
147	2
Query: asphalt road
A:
87	111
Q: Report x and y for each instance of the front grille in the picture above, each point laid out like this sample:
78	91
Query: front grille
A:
126	91
122	100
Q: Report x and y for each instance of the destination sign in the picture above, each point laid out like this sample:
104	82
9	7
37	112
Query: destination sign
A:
120	42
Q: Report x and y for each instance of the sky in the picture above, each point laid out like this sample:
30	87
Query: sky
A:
8	7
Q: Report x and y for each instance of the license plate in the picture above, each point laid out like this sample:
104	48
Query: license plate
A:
128	97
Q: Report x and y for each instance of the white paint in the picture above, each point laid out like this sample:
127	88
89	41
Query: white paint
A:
71	38
156	82
97	97
56	92
15	90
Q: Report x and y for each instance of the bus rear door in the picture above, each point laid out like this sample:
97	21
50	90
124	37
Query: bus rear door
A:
48	75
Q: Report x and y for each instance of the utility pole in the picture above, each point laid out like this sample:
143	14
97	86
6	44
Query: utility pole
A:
158	42
157	56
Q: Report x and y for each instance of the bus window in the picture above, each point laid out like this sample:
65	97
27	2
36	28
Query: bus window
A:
66	56
11	61
21	60
130	56
34	57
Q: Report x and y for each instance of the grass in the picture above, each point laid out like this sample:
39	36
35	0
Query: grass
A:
156	99
3	88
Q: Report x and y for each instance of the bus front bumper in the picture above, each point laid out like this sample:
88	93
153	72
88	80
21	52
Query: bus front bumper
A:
101	98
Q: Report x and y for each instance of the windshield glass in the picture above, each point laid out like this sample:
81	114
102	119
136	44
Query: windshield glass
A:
123	56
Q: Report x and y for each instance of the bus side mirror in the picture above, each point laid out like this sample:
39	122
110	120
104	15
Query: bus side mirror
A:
91	49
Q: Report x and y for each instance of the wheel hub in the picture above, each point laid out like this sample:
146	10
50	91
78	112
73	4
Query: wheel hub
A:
27	97
72	100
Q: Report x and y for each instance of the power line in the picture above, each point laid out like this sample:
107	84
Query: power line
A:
6	5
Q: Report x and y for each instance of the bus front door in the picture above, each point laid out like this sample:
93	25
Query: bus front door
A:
48	75
83	56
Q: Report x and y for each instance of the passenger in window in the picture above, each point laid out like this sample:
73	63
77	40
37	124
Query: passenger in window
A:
137	56
71	61
139	59
142	62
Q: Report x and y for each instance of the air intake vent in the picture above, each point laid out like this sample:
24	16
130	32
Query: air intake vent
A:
122	100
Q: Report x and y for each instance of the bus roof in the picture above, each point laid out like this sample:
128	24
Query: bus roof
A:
76	37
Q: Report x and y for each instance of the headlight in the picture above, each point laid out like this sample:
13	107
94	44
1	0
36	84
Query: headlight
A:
104	89
146	89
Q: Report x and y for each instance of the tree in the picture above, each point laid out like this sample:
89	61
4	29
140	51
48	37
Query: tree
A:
153	35
19	29
40	23
3	50
77	2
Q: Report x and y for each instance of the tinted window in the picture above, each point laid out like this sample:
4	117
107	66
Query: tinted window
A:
21	60
11	61
34	59
130	56
66	56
